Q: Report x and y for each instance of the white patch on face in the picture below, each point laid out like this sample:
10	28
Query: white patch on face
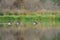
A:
34	23
9	23
17	23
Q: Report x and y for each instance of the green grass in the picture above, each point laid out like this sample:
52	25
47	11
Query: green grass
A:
6	19
44	19
29	18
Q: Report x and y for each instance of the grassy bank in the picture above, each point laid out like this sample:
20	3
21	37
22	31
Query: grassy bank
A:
45	19
28	18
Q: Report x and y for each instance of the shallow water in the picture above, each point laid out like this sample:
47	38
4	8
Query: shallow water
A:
30	34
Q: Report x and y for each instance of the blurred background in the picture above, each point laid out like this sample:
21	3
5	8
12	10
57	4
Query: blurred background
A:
32	5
